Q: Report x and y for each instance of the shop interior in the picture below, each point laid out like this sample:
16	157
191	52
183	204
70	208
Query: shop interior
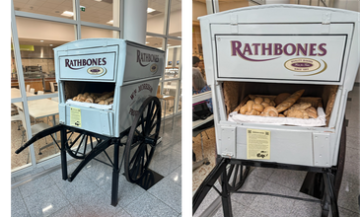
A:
42	26
262	179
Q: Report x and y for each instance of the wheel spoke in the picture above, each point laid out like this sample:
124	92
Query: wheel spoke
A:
142	123
137	131
82	139
152	127
85	144
135	144
235	175
77	138
134	156
154	115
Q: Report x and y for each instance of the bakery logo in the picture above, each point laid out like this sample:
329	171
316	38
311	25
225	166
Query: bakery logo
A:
154	68
81	63
305	65
144	59
251	51
97	71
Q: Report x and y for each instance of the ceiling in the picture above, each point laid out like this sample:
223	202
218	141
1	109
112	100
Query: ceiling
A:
95	12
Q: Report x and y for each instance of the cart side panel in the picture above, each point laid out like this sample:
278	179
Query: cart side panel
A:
286	146
143	62
131	98
94	120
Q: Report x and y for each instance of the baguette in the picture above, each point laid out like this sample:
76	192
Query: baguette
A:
289	101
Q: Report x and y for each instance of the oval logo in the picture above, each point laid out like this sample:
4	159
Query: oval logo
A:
302	65
154	68
99	71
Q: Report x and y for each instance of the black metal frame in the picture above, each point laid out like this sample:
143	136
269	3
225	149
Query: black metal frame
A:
220	171
331	179
103	142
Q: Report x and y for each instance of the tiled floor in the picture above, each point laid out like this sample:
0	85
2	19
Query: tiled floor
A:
89	194
289	182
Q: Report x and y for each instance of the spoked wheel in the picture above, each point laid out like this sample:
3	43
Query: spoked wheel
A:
142	139
85	144
237	175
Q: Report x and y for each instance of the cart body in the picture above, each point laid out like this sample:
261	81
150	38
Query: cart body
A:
129	69
272	49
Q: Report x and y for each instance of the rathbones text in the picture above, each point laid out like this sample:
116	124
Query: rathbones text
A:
146	58
84	62
275	49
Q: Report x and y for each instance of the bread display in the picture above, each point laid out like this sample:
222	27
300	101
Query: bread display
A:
283	105
105	98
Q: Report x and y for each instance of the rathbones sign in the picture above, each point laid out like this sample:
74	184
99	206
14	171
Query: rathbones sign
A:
251	51
144	59
81	63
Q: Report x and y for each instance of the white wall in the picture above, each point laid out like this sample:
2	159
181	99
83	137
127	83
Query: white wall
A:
156	24
46	30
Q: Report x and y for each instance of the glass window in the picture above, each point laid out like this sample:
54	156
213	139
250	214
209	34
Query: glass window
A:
155	16
15	87
18	136
37	38
175	18
155	42
104	12
228	5
170	90
173	59
60	8
180	97
90	32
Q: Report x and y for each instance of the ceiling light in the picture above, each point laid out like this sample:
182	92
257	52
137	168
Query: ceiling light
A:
67	14
110	22
147	42
98	0
149	10
51	45
41	40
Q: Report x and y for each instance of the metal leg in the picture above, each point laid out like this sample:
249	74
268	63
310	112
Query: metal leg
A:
225	195
164	117
209	181
115	177
206	134
63	155
330	193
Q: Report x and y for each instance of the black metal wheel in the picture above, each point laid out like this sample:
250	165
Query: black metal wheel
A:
142	139
237	174
84	142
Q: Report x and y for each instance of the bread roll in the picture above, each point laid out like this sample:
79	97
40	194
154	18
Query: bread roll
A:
258	107
265	104
89	100
289	101
249	105
281	116
258	100
243	109
267	100
252	112
270	111
312	112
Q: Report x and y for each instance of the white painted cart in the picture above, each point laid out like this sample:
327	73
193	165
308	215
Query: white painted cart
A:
132	72
268	50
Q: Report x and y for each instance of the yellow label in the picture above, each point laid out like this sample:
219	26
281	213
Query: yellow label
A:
75	117
258	144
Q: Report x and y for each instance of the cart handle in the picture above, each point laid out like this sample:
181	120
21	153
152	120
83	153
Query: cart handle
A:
40	135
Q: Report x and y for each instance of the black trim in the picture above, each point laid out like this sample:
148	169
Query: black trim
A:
342	62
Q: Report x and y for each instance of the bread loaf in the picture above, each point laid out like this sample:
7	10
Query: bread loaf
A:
289	101
281	98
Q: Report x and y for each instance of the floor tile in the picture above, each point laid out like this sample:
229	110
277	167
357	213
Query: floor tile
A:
175	176
96	204
252	183
274	206
18	207
67	211
353	142
352	155
79	187
46	202
347	213
237	210
122	213
149	205
289	178
348	196
208	200
127	191
36	185
29	174
166	161
306	208
169	192
262	172
353	132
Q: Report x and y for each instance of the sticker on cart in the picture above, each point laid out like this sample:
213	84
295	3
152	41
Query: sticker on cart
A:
75	117
258	144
